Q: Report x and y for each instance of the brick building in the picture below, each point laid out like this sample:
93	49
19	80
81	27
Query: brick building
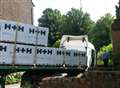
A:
17	10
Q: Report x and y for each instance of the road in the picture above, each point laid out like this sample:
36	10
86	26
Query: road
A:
13	86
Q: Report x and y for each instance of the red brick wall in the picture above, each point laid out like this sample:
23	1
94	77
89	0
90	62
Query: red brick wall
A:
116	41
90	80
17	10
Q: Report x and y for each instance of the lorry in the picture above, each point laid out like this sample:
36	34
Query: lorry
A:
81	44
23	47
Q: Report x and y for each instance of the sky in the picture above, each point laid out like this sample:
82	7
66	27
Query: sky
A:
96	8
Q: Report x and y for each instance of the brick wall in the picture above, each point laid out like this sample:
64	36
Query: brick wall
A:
116	36
17	10
116	41
90	80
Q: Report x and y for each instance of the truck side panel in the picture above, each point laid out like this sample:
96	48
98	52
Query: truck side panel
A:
26	33
29	55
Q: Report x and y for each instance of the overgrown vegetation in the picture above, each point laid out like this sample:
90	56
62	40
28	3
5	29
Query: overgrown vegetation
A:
100	35
13	78
57	44
104	49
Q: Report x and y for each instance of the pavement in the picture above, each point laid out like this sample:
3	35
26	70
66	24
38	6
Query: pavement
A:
13	86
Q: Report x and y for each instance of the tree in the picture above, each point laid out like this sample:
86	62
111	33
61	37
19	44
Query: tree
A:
51	19
57	44
76	22
118	11
103	50
100	35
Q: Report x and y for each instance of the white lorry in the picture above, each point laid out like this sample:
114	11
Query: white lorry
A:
26	45
81	44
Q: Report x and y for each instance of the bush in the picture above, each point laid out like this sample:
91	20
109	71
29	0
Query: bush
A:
104	49
57	44
13	78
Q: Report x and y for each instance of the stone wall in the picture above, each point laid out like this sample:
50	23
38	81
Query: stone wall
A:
89	80
17	10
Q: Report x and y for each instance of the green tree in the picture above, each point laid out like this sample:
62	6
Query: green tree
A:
51	19
57	44
102	50
118	11
100	35
76	22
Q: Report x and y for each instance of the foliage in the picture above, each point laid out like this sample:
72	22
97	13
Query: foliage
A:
76	22
51	19
57	44
13	78
100	35
102	50
118	11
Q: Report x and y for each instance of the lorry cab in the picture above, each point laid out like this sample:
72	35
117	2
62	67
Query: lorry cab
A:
80	43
